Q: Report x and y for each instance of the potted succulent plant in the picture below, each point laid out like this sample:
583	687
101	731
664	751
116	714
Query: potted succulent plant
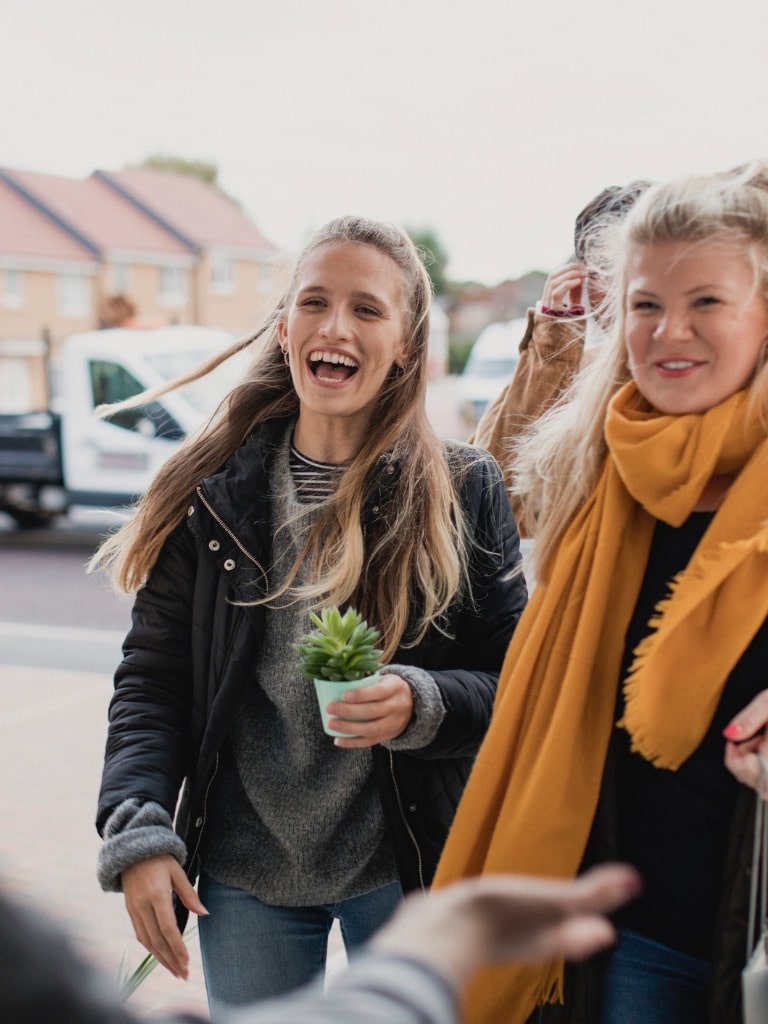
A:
339	654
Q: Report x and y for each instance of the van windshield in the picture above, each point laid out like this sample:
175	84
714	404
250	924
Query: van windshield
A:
501	367
204	394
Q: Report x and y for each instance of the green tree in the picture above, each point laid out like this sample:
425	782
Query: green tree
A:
203	169
434	255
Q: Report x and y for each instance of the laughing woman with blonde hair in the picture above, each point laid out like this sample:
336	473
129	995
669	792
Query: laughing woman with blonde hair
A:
319	481
647	488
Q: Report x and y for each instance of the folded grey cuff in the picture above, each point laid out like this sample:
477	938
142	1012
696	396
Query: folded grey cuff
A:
135	832
428	708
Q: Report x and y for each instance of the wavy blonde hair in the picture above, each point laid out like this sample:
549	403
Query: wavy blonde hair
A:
406	571
556	466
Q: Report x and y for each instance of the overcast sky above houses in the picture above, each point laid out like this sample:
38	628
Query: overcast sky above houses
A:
490	121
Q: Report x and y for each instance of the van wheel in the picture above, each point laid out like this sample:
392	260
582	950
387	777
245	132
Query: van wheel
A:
27	520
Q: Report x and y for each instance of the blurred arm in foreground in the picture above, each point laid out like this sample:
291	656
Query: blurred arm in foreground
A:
412	972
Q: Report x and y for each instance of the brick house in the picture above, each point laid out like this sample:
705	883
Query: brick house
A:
237	272
174	247
477	305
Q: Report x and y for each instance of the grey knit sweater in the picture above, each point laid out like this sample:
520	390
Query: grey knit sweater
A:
293	819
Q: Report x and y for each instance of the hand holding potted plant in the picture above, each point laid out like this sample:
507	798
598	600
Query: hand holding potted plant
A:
340	654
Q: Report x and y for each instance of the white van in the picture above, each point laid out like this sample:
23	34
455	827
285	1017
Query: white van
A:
63	456
489	368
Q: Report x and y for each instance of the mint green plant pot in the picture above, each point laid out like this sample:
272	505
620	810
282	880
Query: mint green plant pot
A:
329	690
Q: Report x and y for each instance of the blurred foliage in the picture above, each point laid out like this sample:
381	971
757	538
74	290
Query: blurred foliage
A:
433	254
206	170
458	353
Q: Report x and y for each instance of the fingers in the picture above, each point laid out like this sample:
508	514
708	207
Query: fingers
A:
186	891
503	918
532	919
148	887
750	721
748	762
605	888
746	752
373	714
581	937
563	287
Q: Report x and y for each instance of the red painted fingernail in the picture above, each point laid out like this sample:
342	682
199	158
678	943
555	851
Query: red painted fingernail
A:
732	732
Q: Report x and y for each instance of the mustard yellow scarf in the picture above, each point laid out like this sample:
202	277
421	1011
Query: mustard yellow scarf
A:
531	798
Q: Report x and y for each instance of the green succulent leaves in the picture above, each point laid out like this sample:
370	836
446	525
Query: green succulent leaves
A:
339	647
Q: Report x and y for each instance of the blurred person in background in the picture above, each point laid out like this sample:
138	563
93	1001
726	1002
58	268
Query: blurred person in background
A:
569	320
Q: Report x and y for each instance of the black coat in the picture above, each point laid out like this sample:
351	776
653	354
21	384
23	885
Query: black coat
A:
583	989
189	655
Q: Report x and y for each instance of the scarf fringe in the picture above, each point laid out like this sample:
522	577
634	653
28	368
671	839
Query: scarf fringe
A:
551	991
687	590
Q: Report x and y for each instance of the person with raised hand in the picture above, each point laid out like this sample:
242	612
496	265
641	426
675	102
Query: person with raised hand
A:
562	333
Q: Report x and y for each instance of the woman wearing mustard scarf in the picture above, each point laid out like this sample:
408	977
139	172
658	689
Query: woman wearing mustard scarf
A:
647	635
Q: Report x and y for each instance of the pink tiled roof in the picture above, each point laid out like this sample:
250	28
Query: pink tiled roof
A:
98	213
192	207
28	234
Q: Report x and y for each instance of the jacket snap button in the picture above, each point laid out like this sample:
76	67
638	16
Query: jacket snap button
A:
191	510
199	823
214	545
229	565
375	510
412	808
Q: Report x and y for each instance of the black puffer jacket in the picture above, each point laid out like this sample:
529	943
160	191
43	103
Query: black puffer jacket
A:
191	650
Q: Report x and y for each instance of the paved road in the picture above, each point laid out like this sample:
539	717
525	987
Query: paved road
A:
52	727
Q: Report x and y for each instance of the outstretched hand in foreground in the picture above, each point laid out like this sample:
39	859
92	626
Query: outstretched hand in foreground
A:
500	918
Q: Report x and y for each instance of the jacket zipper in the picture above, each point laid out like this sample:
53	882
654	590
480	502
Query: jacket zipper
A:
193	858
231	535
218	519
405	821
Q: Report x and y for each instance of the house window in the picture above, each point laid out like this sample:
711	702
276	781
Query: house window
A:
121	278
13	292
72	298
265	278
16	388
222	275
173	290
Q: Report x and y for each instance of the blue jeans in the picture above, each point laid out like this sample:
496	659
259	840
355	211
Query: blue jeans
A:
253	951
649	983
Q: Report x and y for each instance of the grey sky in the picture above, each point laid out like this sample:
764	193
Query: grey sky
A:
492	121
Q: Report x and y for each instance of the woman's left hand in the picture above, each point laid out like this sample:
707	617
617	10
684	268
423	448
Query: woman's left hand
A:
374	713
747	744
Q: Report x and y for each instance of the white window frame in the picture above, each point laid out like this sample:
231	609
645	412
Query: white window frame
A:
173	286
13	288
265	277
73	294
16	386
222	274
121	278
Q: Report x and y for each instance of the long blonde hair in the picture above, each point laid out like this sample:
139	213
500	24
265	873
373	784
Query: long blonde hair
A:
406	571
556	465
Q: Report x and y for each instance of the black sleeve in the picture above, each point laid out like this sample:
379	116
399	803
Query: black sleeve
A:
147	752
472	658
